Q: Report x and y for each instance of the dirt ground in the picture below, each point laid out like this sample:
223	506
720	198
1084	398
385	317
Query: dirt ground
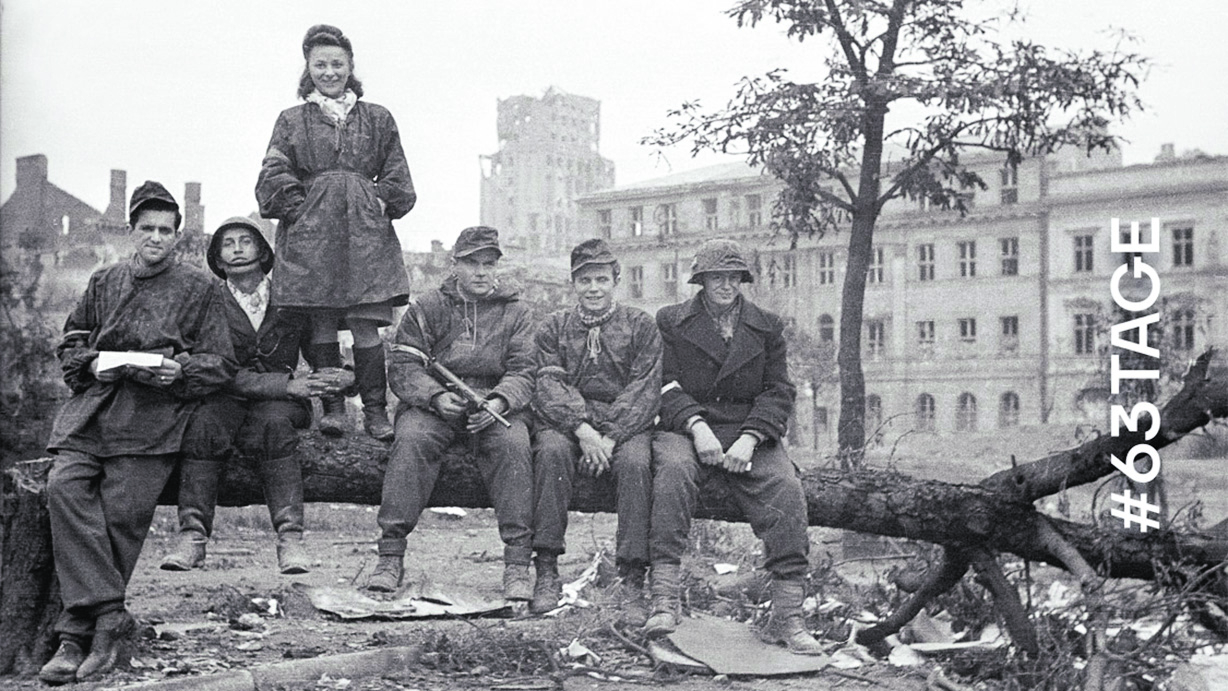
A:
191	628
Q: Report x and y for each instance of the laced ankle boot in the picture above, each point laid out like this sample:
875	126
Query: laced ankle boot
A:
665	604
633	608
62	667
786	624
112	645
517	585
548	587
386	577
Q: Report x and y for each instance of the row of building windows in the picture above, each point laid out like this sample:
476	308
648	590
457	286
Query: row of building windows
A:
925	412
1182	328
744	212
781	270
1008	258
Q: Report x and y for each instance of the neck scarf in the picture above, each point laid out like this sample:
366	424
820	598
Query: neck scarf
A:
337	109
726	318
255	303
594	321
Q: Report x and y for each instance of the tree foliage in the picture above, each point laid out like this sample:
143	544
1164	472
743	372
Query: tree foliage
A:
959	88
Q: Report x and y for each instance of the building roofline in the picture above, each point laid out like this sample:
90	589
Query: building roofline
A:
1176	162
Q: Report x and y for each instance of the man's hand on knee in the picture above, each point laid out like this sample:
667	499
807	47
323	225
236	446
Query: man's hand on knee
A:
707	446
737	458
596	450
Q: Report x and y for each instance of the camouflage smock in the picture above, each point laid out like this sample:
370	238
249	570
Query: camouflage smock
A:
618	392
170	309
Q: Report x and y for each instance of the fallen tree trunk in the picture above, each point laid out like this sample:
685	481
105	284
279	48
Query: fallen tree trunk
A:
993	517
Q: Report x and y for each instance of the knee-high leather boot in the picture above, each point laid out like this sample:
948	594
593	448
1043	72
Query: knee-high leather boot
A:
283	492
371	378
198	480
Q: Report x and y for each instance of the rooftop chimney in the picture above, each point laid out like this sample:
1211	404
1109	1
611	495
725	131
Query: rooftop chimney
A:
31	171
193	212
117	208
1168	152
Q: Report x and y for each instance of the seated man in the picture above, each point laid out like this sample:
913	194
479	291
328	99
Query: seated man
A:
479	331
117	438
260	412
727	387
598	391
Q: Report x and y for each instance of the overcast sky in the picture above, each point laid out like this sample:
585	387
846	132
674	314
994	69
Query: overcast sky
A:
189	90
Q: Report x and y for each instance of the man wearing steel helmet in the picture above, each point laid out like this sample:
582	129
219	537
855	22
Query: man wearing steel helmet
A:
146	342
261	411
475	326
725	408
598	391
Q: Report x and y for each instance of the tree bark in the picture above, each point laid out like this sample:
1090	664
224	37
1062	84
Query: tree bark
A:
993	517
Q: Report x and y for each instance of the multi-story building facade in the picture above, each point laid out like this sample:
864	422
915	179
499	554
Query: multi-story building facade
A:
548	156
992	319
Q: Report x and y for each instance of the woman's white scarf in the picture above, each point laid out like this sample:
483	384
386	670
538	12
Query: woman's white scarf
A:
338	109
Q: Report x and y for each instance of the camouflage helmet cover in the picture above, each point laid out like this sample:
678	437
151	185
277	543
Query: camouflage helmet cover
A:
720	255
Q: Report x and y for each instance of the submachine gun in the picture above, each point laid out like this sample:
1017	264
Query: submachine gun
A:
454	383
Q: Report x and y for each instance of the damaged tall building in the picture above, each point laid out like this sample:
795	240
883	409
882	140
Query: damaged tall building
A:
548	156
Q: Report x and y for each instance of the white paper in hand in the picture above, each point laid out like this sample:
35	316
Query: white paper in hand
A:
110	359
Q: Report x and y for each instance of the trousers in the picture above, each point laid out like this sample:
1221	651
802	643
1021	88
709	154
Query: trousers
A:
555	455
101	509
770	495
504	459
257	428
266	430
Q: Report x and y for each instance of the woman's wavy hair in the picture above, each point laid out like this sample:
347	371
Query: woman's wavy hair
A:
326	35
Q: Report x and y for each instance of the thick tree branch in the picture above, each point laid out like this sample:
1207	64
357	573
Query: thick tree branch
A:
938	579
1006	601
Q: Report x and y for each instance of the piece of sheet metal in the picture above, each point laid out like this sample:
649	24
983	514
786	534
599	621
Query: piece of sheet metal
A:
730	647
411	603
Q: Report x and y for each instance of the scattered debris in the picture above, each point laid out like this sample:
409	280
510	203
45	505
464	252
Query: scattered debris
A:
571	591
578	651
453	513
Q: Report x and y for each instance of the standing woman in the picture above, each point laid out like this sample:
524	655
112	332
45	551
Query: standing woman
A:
335	176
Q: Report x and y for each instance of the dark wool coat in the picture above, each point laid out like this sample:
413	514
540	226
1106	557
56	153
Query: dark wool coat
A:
488	343
334	246
739	386
268	356
174	310
619	393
